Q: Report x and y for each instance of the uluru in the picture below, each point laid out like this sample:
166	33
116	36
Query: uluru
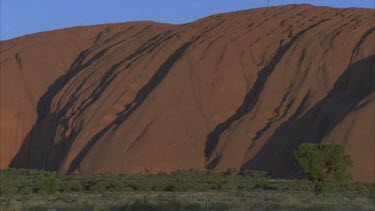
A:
239	90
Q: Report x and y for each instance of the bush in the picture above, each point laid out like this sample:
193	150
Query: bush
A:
141	185
115	185
7	188
99	187
51	184
72	186
228	186
245	184
325	165
26	190
161	185
21	181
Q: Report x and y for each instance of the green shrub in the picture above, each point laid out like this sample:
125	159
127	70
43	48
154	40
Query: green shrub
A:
51	184
227	186
171	188
72	186
7	188
372	192
127	189
245	184
115	185
21	181
26	190
254	174
162	185
99	187
325	165
141	185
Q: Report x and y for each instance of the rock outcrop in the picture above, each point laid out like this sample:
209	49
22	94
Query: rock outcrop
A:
235	90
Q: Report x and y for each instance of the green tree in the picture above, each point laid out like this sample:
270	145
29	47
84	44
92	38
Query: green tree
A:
51	184
325	165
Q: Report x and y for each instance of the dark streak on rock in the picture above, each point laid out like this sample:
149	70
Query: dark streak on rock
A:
253	95
19	60
143	93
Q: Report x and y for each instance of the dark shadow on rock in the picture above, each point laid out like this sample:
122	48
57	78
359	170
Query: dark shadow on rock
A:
18	58
354	85
252	96
44	146
38	145
141	96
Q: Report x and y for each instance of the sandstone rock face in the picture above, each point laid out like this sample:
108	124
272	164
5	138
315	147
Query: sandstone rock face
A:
28	66
236	90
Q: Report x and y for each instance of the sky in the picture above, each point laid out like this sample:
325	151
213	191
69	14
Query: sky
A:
21	17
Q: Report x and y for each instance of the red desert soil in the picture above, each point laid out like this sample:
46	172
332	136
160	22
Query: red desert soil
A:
236	90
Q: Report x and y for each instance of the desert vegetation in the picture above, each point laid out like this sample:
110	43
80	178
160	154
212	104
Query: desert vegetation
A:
325	165
179	190
327	187
25	181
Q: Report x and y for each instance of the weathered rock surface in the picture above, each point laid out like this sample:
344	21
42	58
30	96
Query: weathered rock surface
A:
236	90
